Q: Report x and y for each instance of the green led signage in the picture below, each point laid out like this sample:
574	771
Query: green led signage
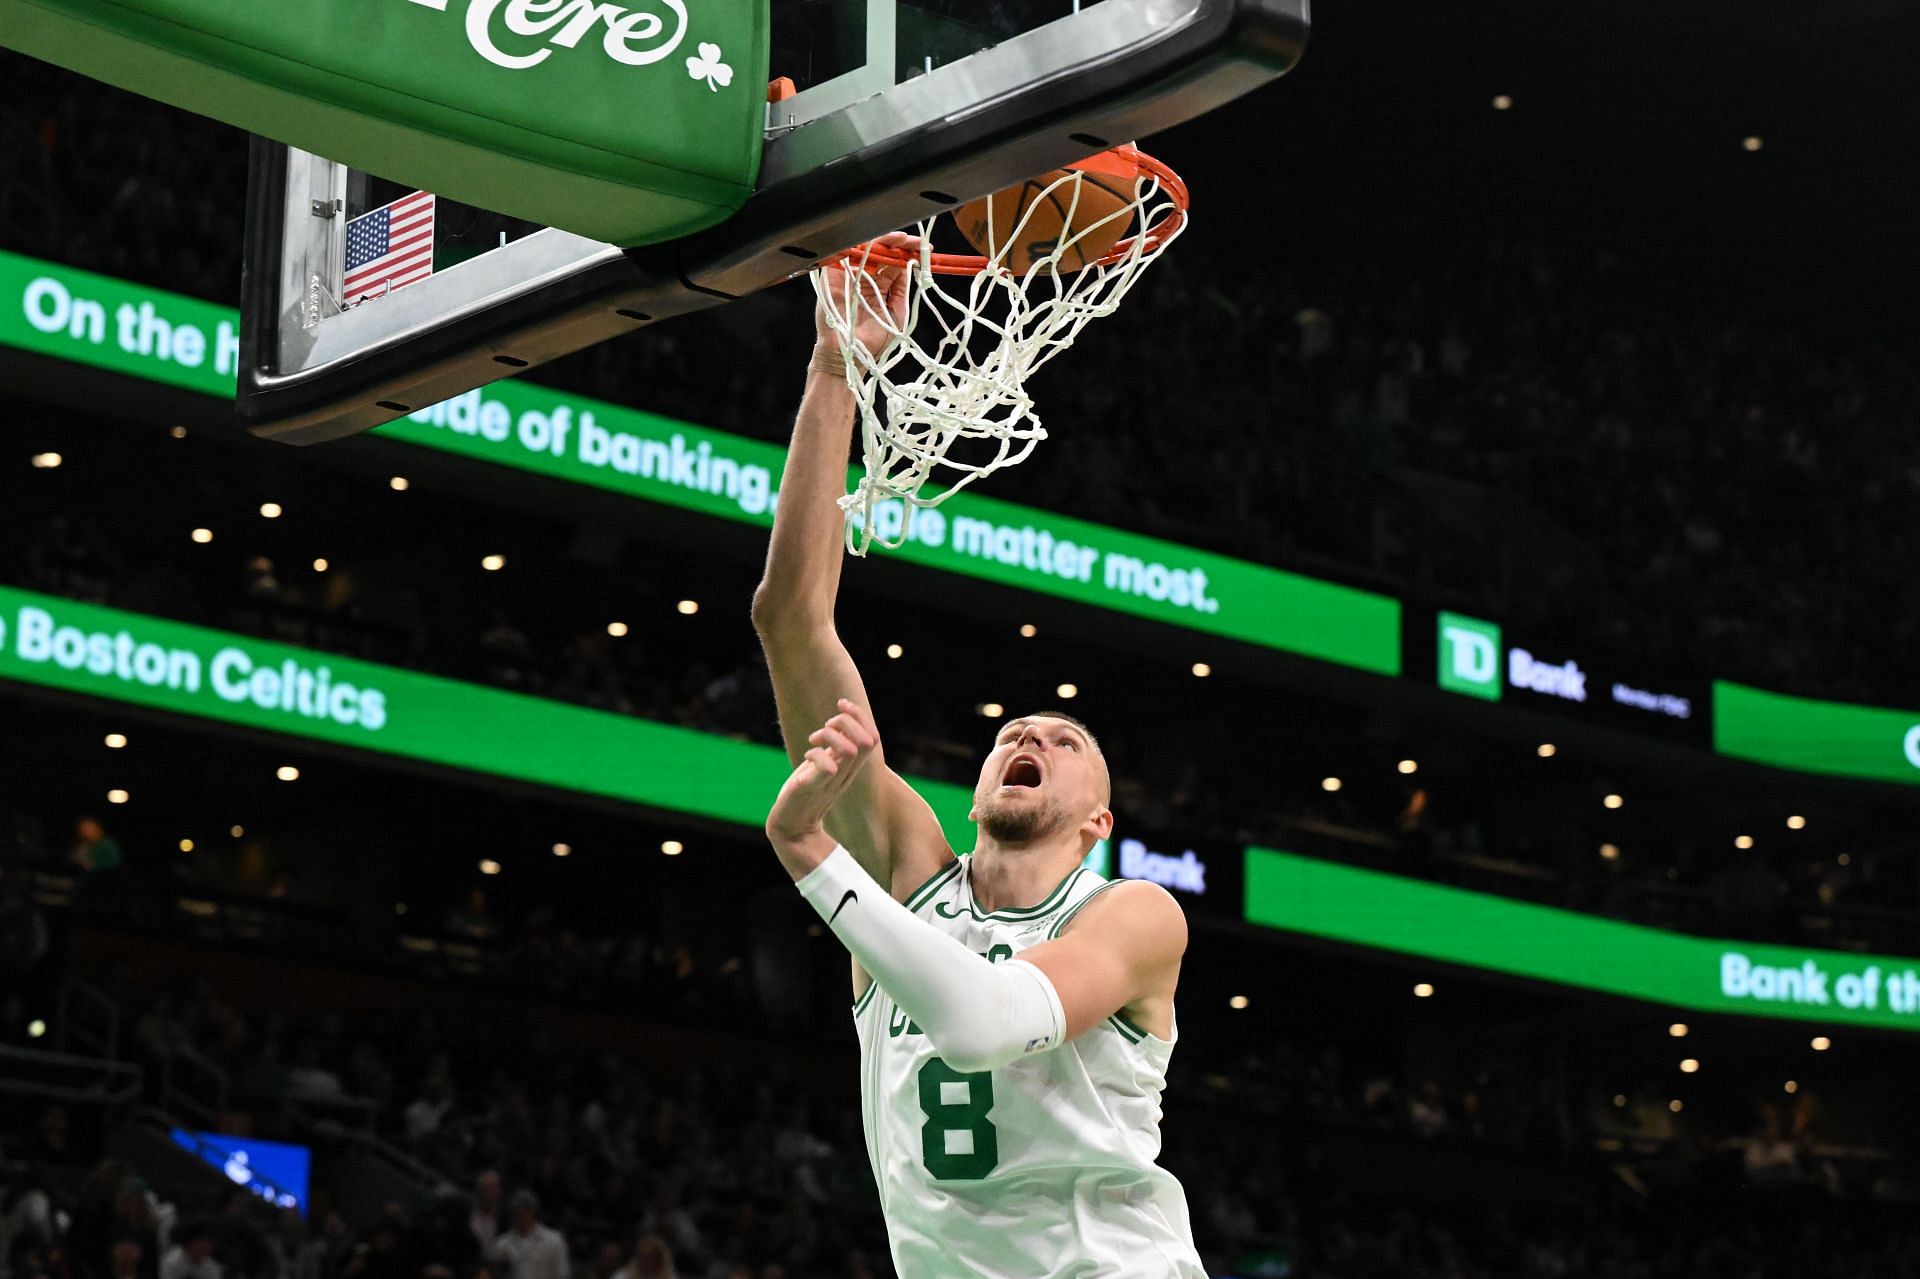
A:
110	324
1469	659
1478	930
190	670
532	428
1816	737
146	333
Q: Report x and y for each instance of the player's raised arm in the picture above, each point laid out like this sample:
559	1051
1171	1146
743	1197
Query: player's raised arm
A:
880	819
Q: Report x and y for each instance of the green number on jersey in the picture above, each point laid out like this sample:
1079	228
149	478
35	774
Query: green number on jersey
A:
946	1118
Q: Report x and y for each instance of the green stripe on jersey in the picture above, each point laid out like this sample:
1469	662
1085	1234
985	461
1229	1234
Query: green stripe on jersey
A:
1023	912
918	897
1079	906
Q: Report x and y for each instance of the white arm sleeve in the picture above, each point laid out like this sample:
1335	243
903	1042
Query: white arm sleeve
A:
979	1015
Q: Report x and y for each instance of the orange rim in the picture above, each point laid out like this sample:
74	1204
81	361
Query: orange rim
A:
1159	233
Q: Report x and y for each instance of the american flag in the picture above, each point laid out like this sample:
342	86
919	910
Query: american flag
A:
391	246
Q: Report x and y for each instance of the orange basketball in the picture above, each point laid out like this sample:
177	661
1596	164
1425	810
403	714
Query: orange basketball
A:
1054	213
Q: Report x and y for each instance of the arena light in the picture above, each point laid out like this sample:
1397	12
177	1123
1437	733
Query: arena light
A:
1028	630
236	831
1845	859
1796	822
672	847
186	845
688	608
1330	784
895	651
1237	1002
1613	801
1752	142
1743	842
1502	102
116	741
117	796
617	629
1691	1066
1793	1085
178	432
1821	1043
990	710
320	564
1610	852
1409	767
1546	750
287	773
1675	1106
488	866
398	484
45	461
1619	1101
1678	1030
1424	990
202	535
493	563
1067	692
270	510
563	850
1201	670
36	1028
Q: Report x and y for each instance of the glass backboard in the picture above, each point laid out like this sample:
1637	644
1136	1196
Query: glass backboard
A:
897	109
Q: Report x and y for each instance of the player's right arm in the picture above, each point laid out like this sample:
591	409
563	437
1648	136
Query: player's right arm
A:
882	821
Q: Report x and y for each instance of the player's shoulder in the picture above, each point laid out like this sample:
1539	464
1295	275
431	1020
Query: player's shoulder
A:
1132	905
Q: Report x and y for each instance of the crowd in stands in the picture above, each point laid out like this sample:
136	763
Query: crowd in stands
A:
562	1164
1507	425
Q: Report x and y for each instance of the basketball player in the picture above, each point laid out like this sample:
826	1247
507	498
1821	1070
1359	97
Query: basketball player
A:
1014	1010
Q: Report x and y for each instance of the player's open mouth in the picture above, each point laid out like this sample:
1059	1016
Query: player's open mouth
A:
1022	770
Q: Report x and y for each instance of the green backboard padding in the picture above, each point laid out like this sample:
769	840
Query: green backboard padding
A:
628	121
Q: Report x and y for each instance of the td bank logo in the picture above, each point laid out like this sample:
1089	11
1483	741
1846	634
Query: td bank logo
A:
629	35
1469	656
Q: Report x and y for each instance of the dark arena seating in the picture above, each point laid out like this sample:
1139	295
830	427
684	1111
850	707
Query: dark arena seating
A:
1624	364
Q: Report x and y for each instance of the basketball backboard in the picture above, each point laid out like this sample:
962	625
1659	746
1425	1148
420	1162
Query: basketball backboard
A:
898	109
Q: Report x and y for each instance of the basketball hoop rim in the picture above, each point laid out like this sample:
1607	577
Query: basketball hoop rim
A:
1162	231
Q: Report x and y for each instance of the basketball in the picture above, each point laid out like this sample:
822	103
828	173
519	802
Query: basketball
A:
1093	222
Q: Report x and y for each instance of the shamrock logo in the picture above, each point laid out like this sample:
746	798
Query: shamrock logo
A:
708	67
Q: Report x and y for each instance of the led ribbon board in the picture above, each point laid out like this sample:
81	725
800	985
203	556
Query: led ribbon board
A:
1478	658
113	325
1816	737
1478	930
190	670
526	107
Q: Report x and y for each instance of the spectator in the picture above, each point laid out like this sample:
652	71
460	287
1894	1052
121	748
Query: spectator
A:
126	1259
531	1249
97	854
485	1219
191	1256
651	1259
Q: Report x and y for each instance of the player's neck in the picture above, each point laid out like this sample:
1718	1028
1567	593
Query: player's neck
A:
1013	877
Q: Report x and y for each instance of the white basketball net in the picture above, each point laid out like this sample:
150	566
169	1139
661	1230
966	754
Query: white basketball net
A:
987	329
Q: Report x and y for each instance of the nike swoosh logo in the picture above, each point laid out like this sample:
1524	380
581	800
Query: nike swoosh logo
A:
850	897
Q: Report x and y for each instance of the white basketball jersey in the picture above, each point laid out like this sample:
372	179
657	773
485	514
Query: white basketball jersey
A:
1042	1169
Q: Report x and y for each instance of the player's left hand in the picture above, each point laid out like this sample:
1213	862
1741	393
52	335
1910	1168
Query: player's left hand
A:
884	287
840	748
